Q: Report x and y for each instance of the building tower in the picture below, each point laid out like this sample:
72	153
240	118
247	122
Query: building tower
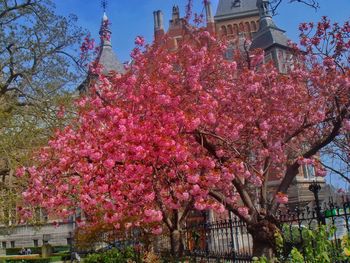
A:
271	38
106	56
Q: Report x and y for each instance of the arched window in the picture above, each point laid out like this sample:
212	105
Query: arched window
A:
241	28
253	26
247	30
235	29
230	30
223	30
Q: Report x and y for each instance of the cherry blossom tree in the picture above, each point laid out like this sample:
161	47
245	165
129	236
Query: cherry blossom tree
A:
188	129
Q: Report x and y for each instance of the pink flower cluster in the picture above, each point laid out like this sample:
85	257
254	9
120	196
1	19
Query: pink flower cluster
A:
182	125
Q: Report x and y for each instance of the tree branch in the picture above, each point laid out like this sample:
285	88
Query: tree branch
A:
15	7
292	170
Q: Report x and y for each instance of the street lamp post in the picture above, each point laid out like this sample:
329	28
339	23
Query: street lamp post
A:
315	188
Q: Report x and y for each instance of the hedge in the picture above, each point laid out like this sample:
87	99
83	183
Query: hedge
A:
31	260
59	249
35	250
16	250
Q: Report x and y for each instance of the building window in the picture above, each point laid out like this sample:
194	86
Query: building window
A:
308	171
178	41
253	26
223	31
241	28
235	29
12	244
268	57
36	243
230	30
247	28
3	244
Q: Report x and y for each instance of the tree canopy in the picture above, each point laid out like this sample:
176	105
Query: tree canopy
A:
37	76
188	129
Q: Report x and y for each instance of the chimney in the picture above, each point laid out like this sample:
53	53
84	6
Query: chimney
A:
209	17
208	11
158	25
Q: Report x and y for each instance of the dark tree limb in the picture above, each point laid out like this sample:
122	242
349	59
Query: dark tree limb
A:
293	169
16	6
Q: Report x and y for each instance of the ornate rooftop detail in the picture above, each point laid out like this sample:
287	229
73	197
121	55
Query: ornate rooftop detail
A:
229	9
106	57
269	34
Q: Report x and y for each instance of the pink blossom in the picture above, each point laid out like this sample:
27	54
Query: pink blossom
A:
321	172
20	172
193	179
281	198
243	211
140	41
109	163
157	231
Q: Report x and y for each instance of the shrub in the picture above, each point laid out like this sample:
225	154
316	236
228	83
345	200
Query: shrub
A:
59	249
316	246
113	256
16	250
31	260
35	250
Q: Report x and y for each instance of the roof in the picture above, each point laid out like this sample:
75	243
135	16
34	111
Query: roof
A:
269	34
268	37
106	57
228	9
109	61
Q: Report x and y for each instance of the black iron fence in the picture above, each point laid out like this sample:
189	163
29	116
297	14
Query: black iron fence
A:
226	240
229	241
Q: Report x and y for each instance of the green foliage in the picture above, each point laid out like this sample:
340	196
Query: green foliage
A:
113	256
32	260
16	250
317	247
37	76
58	250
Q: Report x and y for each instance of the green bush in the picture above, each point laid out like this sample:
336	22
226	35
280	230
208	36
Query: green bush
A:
31	260
35	250
16	250
316	246
113	256
58	249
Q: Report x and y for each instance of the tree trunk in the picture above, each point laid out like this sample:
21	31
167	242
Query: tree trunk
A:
177	244
264	238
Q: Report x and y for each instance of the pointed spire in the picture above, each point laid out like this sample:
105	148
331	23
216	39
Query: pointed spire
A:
105	32
107	58
104	4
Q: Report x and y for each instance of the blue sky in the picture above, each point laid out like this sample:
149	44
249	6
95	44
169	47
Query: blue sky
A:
131	18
